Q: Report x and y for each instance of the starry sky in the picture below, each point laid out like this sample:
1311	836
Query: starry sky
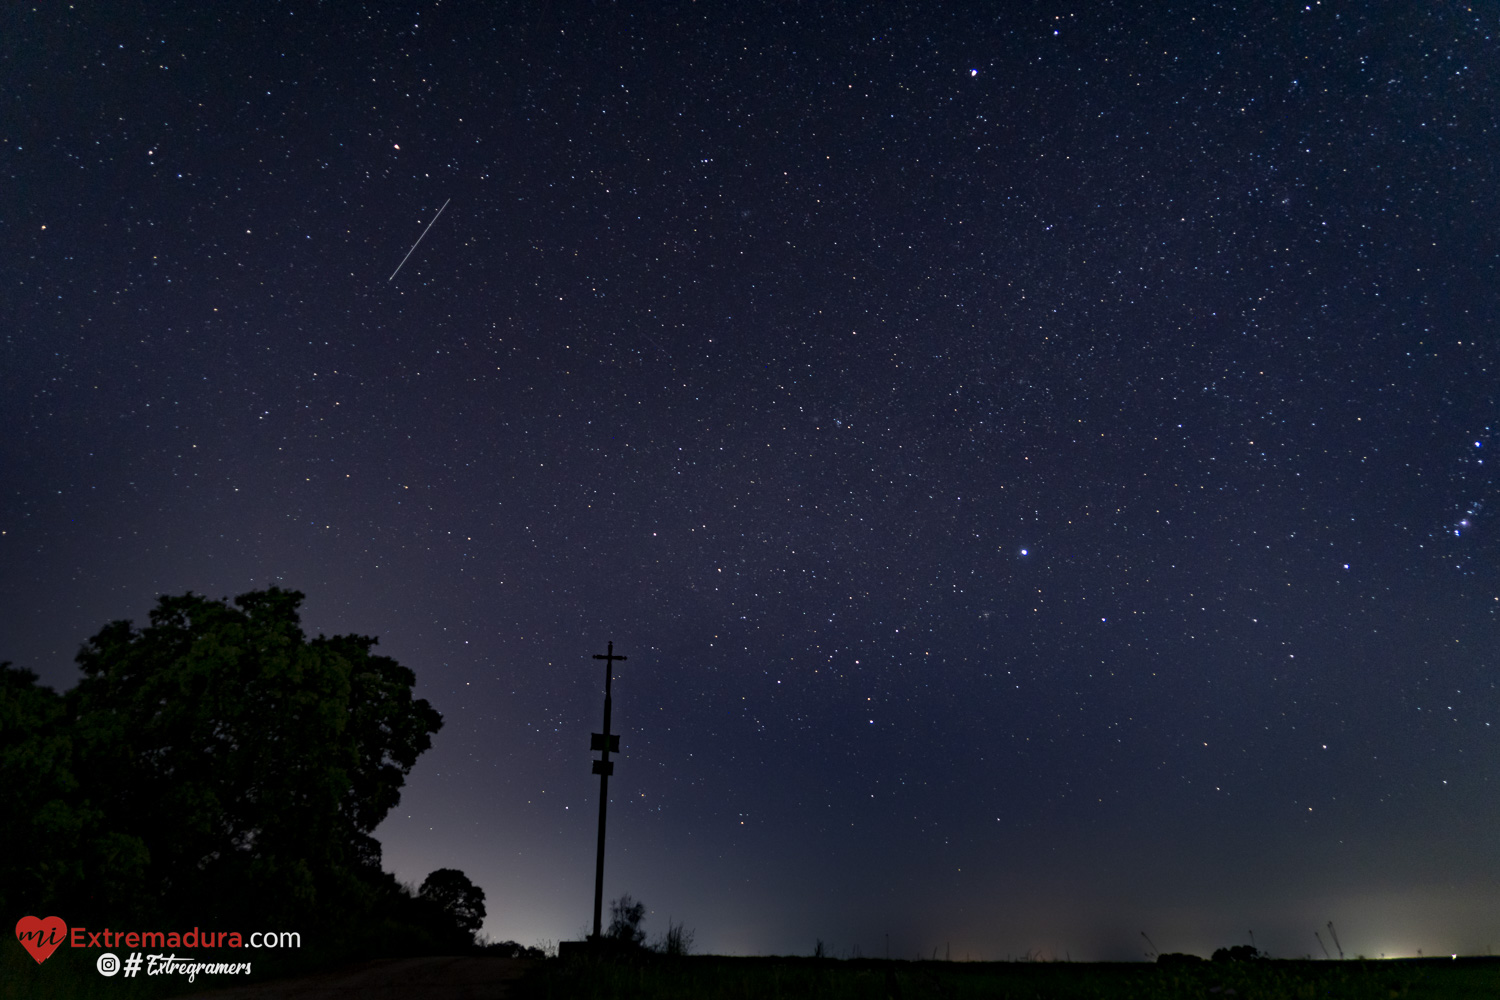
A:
1035	457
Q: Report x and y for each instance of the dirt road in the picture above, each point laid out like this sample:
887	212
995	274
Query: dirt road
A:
391	979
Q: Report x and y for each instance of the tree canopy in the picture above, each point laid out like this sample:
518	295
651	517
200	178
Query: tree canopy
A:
461	899
216	763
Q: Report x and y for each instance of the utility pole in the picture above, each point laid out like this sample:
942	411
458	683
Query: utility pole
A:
606	743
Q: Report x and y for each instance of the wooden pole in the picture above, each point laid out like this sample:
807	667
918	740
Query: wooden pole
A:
605	742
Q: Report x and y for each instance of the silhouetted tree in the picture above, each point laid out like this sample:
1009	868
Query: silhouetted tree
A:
215	763
625	919
1239	953
461	899
52	842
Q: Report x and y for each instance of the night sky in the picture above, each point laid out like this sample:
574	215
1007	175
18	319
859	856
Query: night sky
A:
1036	458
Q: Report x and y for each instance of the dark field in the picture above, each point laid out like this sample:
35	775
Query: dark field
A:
709	977
714	978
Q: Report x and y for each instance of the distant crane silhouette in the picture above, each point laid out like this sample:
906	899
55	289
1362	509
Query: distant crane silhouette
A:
1334	934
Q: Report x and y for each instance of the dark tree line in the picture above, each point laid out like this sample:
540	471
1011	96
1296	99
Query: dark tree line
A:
217	767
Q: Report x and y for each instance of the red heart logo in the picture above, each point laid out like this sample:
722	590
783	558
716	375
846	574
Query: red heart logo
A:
41	937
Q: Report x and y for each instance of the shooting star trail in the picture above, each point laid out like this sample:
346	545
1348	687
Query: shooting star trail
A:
414	245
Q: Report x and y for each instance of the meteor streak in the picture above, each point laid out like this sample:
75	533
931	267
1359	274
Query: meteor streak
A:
414	245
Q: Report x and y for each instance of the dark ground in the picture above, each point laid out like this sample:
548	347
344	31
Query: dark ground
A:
715	978
439	978
708	977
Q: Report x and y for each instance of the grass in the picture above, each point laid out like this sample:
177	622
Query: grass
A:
716	978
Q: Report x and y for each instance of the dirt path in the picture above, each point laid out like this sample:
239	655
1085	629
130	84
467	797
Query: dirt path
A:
391	979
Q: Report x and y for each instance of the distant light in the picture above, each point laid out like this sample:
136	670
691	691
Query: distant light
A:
1024	552
973	72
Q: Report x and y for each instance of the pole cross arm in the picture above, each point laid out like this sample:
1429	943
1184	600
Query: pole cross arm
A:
609	658
604	767
597	741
